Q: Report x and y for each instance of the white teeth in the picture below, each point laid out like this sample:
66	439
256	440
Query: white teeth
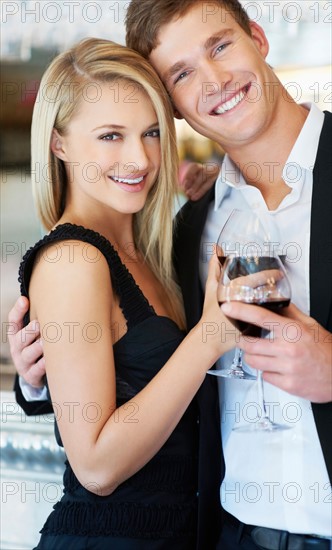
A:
230	104
130	181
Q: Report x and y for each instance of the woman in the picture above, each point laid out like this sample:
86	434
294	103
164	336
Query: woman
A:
101	285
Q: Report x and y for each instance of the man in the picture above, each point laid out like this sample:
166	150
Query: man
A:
211	59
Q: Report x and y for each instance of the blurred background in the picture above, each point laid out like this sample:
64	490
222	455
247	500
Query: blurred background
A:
32	33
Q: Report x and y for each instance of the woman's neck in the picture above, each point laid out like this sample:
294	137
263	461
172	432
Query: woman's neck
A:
114	226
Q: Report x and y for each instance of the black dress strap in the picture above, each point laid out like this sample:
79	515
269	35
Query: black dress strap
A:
133	303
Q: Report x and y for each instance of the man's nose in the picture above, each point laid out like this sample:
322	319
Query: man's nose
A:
213	78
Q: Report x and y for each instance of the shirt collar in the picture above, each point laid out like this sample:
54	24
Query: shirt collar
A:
305	148
303	154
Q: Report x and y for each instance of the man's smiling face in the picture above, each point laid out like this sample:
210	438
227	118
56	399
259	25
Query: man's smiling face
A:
216	75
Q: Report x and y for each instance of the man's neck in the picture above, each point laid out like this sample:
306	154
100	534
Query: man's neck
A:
262	161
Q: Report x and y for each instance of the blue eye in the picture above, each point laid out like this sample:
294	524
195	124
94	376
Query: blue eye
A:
153	133
109	137
221	47
181	76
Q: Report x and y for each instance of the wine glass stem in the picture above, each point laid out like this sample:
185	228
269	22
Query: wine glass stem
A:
237	360
261	401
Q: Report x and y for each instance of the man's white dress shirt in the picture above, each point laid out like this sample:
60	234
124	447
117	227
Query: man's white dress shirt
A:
278	479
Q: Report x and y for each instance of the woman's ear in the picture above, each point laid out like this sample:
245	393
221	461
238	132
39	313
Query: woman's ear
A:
57	145
259	38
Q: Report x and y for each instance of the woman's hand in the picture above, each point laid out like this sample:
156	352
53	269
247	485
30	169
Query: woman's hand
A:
217	330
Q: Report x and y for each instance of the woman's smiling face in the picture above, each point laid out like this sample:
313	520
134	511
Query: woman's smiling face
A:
111	148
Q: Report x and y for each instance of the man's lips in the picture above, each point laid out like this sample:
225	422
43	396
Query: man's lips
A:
231	103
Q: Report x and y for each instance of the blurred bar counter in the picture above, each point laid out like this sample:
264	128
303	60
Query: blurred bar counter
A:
31	474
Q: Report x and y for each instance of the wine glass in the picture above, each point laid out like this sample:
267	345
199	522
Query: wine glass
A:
260	280
242	232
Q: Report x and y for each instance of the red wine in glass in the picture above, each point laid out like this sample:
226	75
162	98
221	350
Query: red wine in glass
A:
244	233
260	281
248	329
222	258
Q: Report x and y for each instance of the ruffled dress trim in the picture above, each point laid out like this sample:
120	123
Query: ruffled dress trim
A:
121	519
169	473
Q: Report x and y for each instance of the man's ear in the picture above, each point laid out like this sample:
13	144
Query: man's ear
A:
57	145
177	114
259	38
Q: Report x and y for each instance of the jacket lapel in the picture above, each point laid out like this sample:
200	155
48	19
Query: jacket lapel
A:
321	268
321	231
187	237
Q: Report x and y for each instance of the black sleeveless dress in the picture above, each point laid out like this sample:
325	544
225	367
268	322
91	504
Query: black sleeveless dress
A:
157	507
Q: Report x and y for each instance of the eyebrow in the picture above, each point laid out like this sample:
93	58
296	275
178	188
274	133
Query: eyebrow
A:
119	127
212	40
109	127
209	43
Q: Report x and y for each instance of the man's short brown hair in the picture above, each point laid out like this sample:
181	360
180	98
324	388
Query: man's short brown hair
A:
146	17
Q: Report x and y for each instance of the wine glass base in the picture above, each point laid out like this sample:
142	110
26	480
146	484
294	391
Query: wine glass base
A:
232	373
263	425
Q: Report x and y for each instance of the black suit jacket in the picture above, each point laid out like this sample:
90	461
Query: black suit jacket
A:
191	221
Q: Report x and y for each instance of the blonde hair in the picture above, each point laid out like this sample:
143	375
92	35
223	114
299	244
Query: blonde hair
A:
61	90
